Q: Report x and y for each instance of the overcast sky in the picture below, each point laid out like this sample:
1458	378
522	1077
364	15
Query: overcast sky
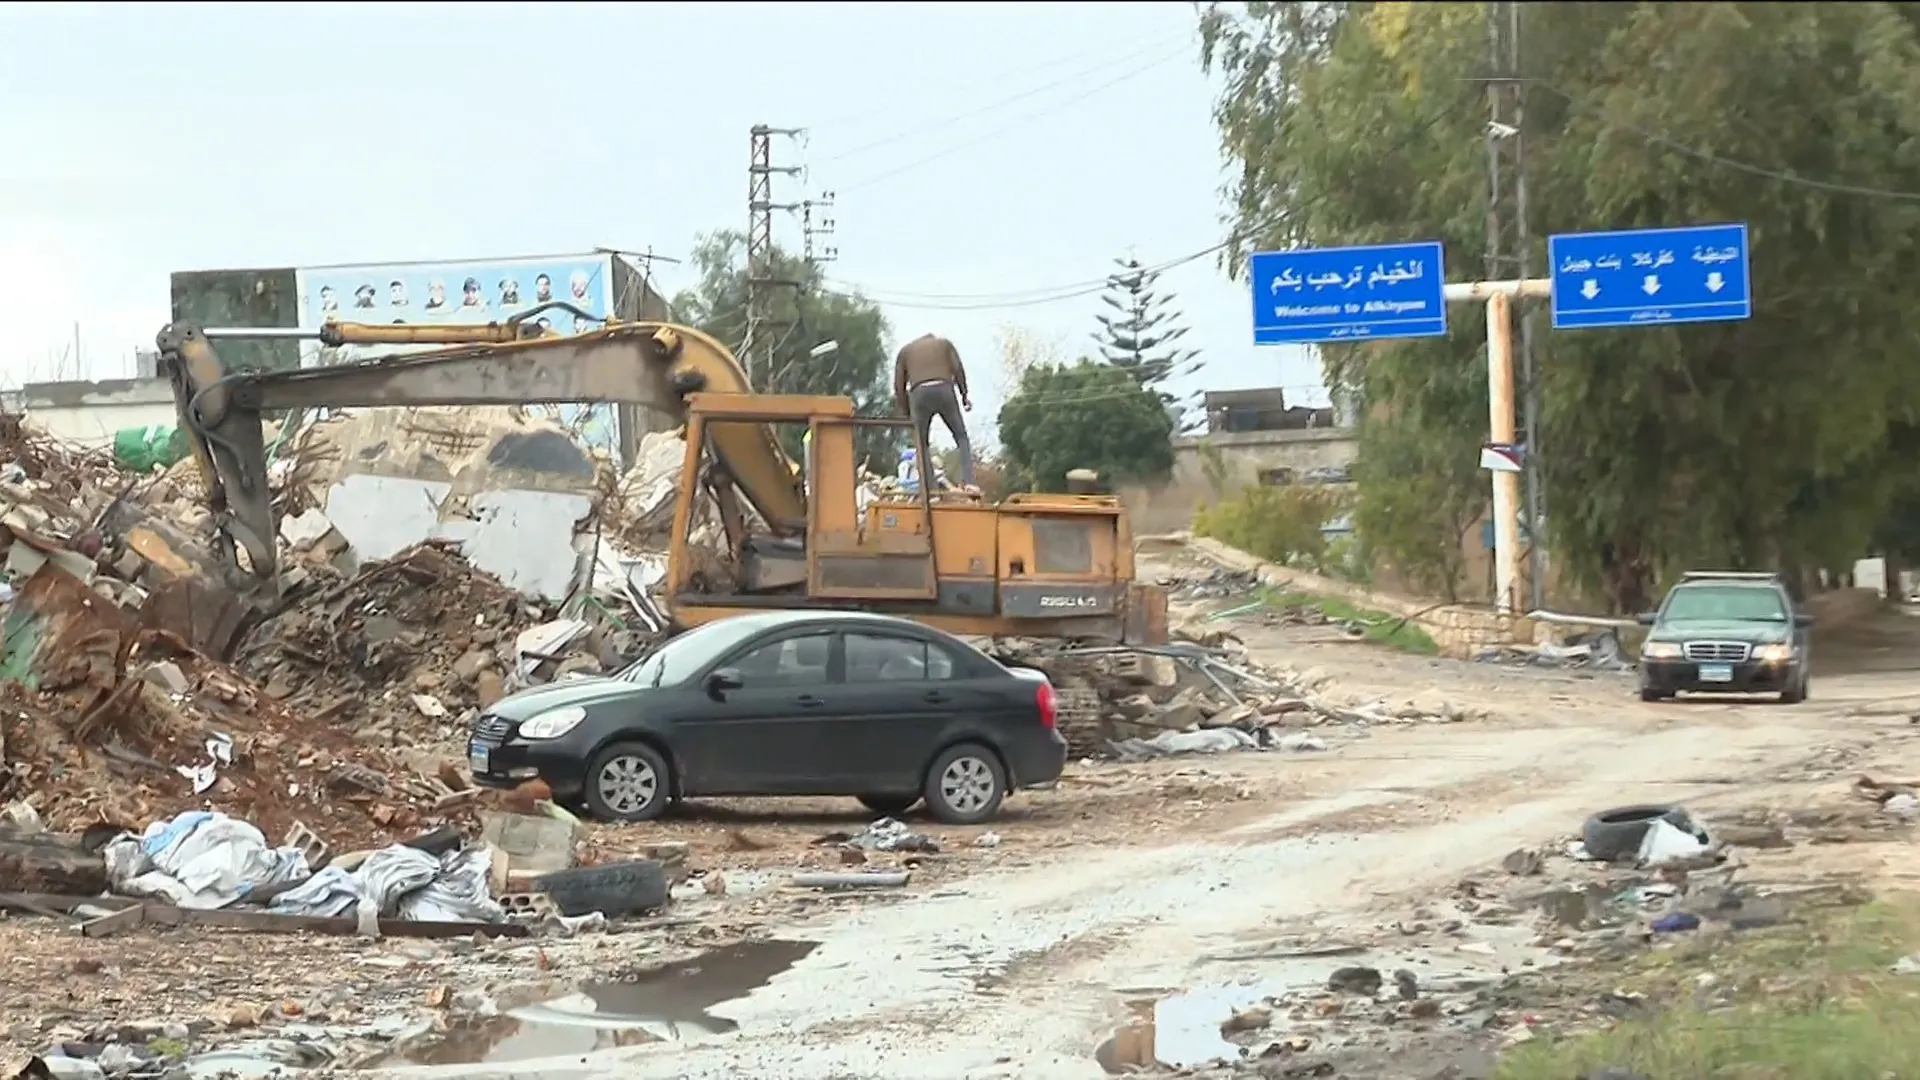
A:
985	155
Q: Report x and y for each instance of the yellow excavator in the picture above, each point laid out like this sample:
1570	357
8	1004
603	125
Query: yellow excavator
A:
1040	565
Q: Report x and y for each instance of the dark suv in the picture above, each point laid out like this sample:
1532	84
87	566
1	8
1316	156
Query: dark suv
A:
1726	632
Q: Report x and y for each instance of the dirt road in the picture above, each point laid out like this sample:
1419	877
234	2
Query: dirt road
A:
1025	972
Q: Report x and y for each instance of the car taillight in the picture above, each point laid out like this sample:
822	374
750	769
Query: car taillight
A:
1044	698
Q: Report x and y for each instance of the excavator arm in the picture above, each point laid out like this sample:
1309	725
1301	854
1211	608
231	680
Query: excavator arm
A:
644	363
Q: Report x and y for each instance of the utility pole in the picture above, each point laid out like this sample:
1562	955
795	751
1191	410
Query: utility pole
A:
756	350
816	233
1510	257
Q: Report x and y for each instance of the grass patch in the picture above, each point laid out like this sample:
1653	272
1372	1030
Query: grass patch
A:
1378	627
1812	1000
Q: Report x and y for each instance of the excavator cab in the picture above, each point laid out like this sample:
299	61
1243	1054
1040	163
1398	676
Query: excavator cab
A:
1034	565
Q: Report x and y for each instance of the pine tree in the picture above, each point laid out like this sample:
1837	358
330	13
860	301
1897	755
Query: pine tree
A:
1142	333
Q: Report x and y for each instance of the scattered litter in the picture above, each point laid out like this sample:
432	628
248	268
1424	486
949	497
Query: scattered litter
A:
1674	922
1596	649
1172	743
1904	807
1666	844
886	834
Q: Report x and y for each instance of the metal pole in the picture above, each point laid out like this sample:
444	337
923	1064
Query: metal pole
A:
1529	373
261	333
1506	485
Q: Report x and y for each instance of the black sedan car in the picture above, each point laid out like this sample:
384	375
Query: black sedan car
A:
1723	631
784	703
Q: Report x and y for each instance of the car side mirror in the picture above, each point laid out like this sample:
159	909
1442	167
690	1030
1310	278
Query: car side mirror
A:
1803	621
723	680
1646	618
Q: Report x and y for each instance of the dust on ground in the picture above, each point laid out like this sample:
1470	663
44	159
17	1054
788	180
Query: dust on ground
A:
1197	889
1263	899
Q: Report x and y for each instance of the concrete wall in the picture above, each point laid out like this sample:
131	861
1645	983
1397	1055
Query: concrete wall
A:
1458	630
88	413
267	297
509	490
636	300
1169	506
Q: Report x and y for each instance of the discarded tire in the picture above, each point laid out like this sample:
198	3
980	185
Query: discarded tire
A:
614	889
1617	833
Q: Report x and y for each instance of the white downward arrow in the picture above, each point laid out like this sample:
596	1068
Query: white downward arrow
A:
1651	285
1715	282
1591	289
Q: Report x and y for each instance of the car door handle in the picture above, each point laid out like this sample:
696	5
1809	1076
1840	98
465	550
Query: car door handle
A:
936	697
808	701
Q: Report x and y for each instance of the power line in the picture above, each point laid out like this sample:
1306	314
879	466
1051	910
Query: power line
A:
1076	290
1016	123
999	79
994	106
1091	287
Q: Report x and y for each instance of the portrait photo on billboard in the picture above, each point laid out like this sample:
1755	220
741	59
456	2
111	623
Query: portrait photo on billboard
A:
472	291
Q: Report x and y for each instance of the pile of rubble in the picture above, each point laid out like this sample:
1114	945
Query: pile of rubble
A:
402	649
135	686
1201	694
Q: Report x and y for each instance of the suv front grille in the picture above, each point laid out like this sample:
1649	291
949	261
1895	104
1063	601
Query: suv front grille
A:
491	729
1722	652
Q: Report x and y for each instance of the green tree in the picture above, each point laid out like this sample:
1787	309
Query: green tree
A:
1420	494
1759	443
1087	416
859	365
1143	332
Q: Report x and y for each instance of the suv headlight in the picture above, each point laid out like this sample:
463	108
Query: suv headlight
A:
1660	650
1777	653
553	723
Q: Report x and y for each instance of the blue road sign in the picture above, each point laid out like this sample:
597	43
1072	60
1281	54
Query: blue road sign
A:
1693	274
1344	294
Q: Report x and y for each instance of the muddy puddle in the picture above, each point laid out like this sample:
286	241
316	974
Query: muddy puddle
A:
670	1003
1184	1028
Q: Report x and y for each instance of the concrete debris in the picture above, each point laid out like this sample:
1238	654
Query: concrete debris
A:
646	492
1120	701
1596	649
136	685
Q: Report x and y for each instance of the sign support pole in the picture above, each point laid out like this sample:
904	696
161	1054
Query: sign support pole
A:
1499	297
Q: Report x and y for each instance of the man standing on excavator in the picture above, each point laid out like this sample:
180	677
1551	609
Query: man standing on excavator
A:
929	381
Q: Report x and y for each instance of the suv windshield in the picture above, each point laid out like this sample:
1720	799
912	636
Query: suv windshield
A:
1724	603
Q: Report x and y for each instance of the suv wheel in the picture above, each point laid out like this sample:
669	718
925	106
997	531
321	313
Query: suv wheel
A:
966	785
628	782
1648	693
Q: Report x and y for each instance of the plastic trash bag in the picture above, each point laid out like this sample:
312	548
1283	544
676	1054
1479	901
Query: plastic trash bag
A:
459	893
403	882
200	859
1666	843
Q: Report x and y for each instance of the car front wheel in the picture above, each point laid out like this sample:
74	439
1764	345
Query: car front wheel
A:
966	785
628	782
1796	694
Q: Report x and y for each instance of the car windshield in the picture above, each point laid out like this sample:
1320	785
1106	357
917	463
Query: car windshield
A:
1725	603
678	658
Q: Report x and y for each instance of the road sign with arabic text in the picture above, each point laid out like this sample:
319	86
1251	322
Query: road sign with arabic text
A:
1693	274
1348	294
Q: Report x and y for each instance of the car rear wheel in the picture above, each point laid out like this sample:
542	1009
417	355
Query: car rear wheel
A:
966	785
628	782
1647	693
890	805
